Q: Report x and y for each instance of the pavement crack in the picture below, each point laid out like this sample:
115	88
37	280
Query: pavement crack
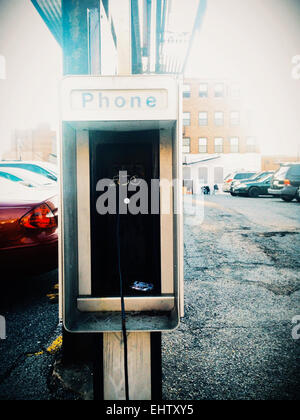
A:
278	290
21	358
281	234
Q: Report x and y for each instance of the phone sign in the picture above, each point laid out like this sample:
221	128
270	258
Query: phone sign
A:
112	100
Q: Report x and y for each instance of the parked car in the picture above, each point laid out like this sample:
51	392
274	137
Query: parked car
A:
258	176
27	178
286	182
236	176
253	188
46	169
28	229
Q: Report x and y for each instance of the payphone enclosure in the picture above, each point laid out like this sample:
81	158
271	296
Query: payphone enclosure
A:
111	126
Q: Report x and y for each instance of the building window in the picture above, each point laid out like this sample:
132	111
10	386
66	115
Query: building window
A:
203	90
219	118
235	118
186	91
203	175
187	173
187	180
234	145
202	145
186	118
219	145
186	145
219	90
251	145
203	118
218	175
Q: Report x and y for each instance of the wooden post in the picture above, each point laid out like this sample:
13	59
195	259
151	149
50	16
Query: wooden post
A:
139	366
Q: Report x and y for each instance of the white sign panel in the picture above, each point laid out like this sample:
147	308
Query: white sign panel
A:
135	98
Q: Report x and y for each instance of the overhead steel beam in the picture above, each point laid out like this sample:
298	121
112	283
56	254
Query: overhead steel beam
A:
51	14
158	34
75	37
136	38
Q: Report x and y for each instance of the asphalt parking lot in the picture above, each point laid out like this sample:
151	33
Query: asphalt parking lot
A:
242	289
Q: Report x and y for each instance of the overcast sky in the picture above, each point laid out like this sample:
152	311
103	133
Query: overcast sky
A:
251	41
29	95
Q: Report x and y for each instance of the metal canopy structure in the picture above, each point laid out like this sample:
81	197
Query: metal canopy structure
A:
51	13
161	34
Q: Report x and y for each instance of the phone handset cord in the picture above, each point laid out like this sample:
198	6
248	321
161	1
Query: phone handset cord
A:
124	331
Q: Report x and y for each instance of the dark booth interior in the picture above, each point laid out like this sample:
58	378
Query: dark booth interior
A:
137	153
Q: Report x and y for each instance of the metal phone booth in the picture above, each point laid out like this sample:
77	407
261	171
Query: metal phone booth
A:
128	125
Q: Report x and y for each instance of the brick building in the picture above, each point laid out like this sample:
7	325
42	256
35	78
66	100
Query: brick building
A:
38	145
218	131
272	163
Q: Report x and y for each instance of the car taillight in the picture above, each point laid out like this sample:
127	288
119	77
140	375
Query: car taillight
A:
39	218
229	180
287	182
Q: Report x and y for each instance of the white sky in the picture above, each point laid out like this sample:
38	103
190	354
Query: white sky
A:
29	95
251	41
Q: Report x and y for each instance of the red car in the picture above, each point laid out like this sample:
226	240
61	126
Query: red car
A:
28	229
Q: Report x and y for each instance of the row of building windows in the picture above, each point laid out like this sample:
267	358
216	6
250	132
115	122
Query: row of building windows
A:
219	90
219	145
219	118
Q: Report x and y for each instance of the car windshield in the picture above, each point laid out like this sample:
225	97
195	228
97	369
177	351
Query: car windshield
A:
11	177
266	178
51	168
44	169
255	177
258	176
245	175
281	173
31	179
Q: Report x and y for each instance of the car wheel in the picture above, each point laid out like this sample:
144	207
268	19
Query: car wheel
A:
287	198
254	192
298	196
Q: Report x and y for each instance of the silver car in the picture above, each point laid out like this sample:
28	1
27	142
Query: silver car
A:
236	176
